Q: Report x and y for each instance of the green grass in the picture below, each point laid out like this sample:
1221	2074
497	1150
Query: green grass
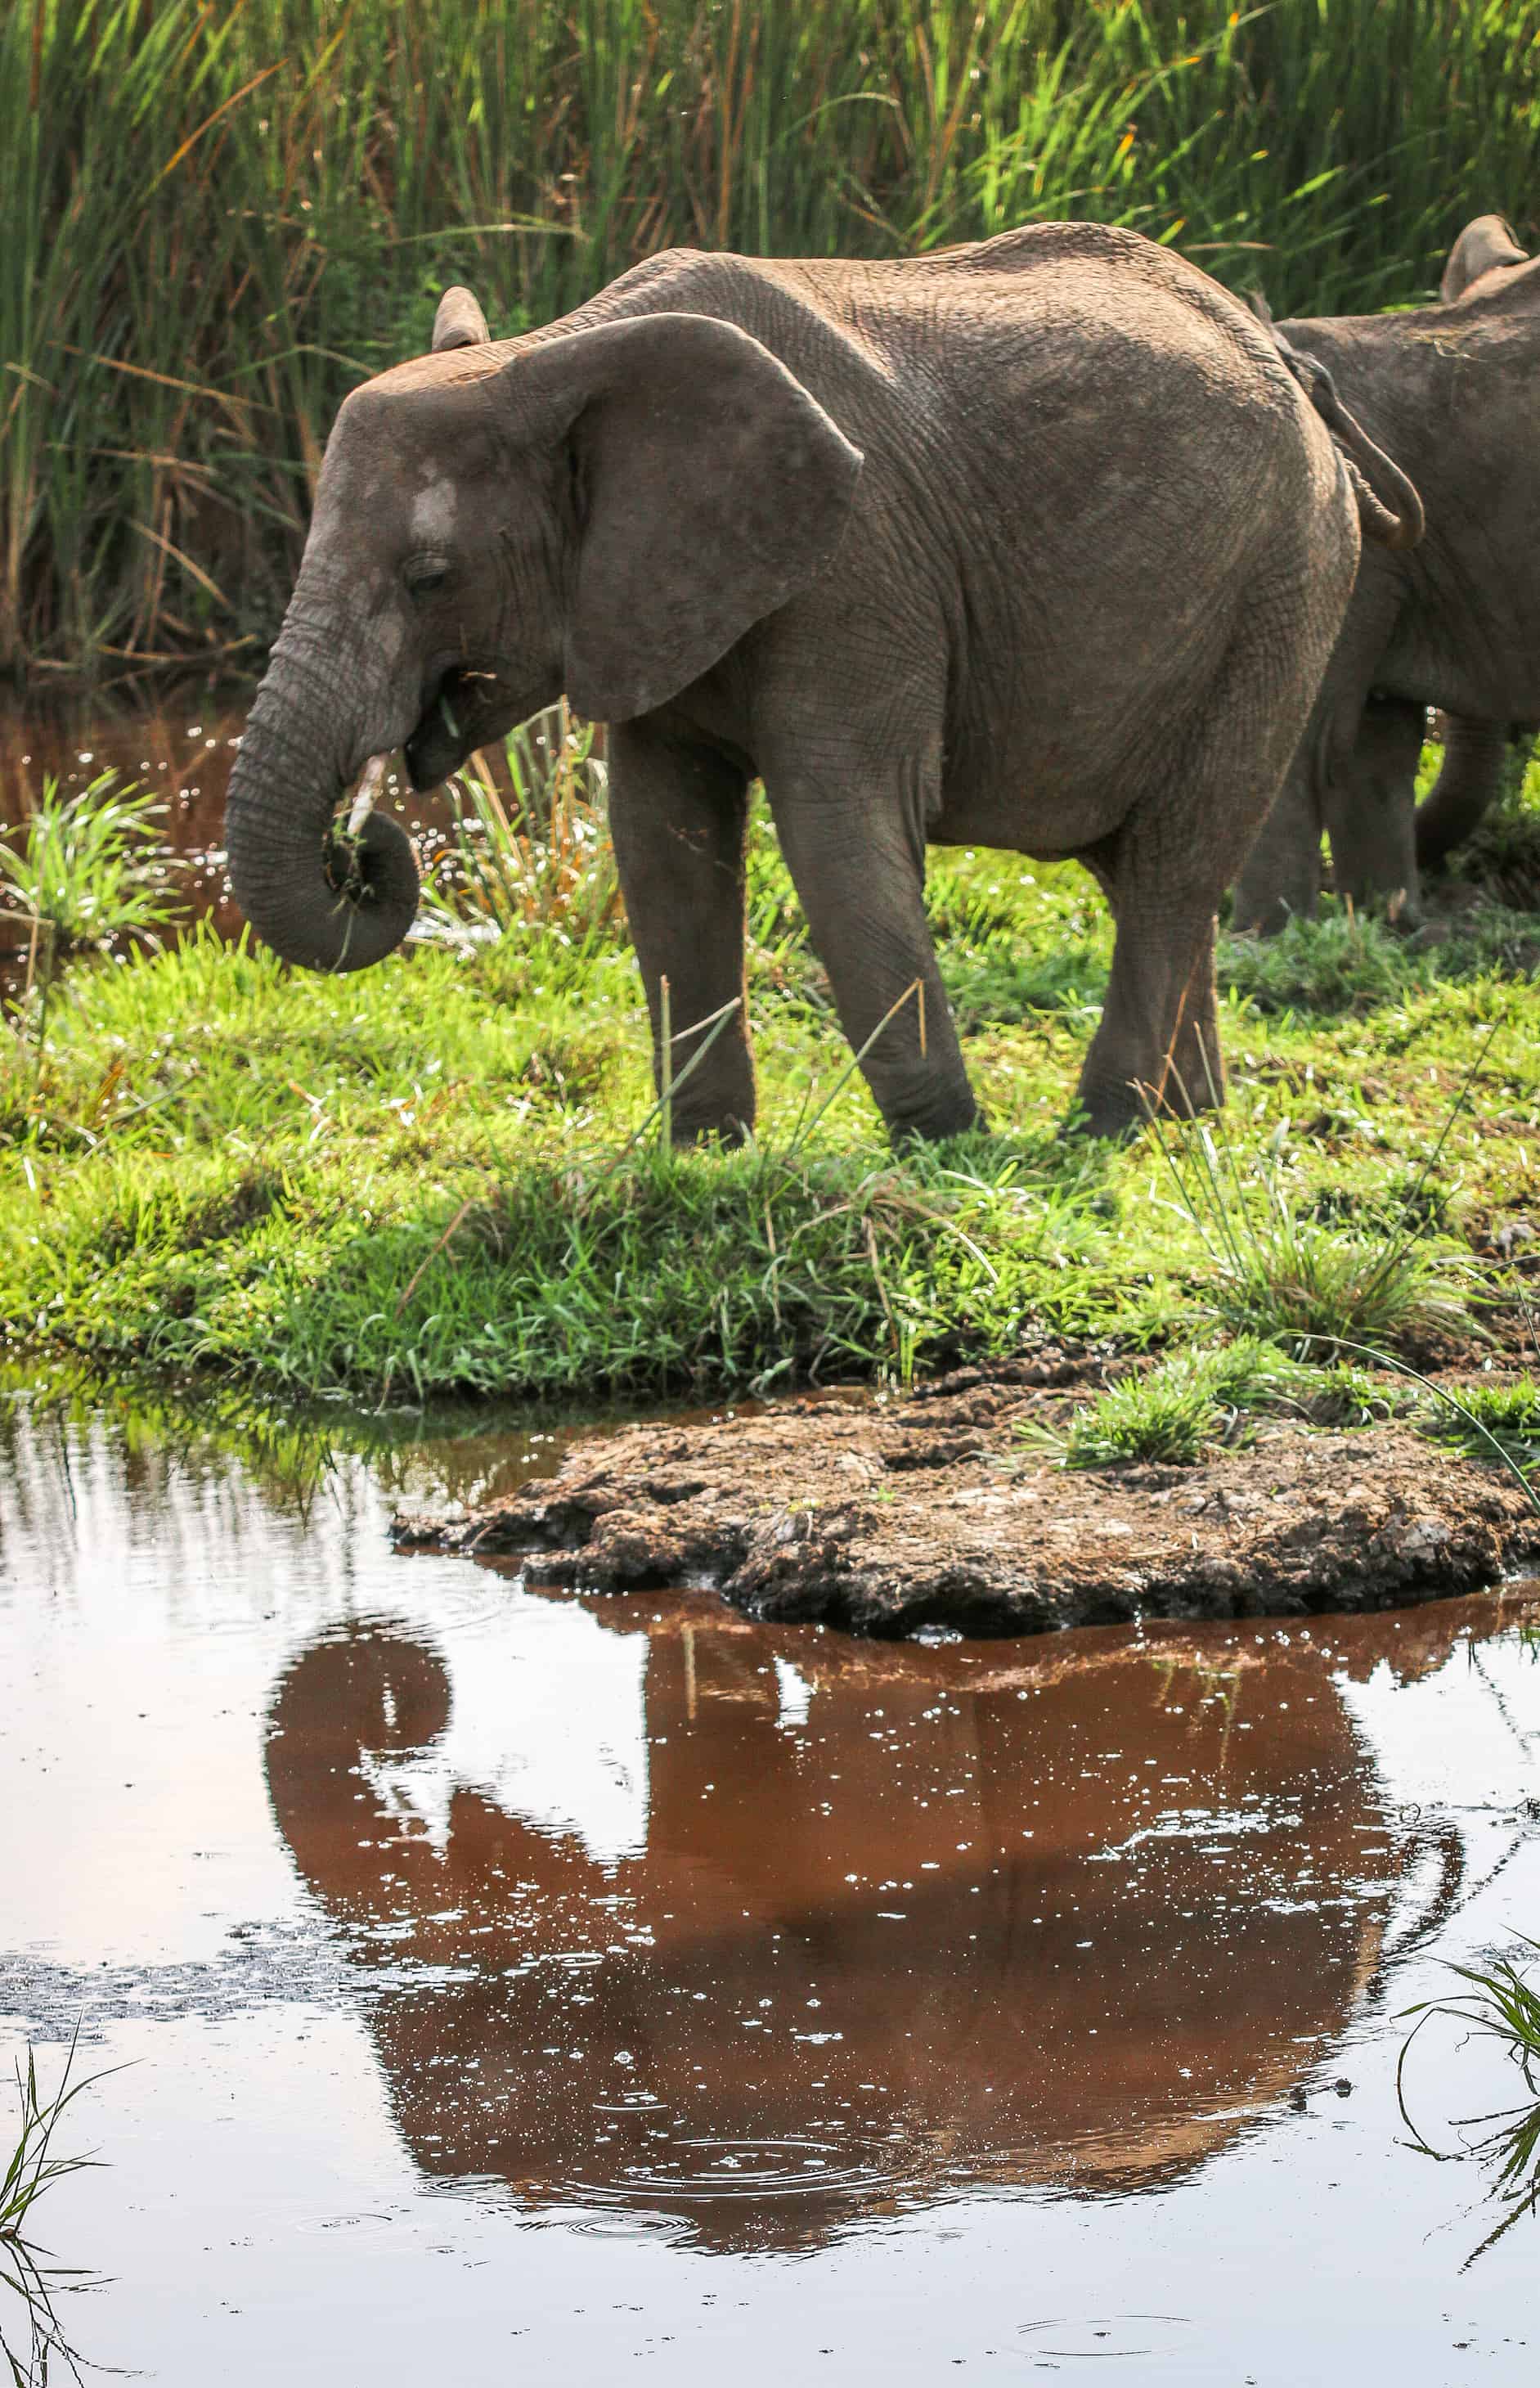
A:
1279	1270
213	221
1183	1407
92	865
442	1176
1508	1413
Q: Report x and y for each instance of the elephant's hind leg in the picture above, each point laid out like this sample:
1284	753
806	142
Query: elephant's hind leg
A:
1166	870
679	817
1157	1046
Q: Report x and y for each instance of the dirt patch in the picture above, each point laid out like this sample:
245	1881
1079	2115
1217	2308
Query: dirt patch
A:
923	1512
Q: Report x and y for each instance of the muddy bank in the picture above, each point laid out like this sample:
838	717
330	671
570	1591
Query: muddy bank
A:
926	1512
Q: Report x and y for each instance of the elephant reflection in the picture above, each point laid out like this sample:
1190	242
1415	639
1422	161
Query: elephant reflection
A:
903	1921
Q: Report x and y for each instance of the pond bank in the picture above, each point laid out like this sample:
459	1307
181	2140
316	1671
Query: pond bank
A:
933	1512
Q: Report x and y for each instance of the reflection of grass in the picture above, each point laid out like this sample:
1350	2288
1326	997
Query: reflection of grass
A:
25	2268
1499	2005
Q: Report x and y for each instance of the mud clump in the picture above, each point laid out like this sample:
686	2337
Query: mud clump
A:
924	1512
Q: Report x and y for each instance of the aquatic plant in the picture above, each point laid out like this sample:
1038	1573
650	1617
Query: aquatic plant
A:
1498	2004
25	2269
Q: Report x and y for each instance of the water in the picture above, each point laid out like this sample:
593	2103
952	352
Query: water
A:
516	1986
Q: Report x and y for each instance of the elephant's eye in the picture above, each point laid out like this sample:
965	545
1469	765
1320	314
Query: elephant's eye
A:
423	580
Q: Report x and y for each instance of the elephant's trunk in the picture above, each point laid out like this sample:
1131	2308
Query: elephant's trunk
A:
317	897
1469	779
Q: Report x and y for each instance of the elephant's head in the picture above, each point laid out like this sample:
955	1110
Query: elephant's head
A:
603	512
1485	246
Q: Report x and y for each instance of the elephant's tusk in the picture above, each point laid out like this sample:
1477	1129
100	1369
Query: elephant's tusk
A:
366	791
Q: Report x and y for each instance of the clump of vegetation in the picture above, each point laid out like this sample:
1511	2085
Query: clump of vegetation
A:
1506	1414
1345	961
1498	2004
1180	1408
25	2269
91	867
1277	1272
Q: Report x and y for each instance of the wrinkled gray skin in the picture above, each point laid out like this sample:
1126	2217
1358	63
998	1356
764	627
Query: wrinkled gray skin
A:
1449	391
927	545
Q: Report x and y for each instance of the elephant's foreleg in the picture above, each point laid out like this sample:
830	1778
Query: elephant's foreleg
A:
678	816
856	855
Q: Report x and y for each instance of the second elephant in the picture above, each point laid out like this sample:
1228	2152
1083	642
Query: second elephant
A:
1449	391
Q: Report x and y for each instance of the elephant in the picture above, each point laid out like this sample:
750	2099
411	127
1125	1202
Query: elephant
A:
1458	627
876	1904
925	545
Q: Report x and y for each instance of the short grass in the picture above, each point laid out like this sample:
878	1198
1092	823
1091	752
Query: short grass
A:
1185	1405
417	1182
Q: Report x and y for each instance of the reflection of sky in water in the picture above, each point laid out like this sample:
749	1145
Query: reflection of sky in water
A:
648	1837
548	1727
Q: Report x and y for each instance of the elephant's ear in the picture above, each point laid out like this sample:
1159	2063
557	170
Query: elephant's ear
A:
710	486
459	322
1485	242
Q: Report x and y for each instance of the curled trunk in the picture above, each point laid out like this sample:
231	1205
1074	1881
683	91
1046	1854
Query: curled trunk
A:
318	896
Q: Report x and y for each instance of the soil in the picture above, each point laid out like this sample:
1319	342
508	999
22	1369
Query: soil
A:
928	1511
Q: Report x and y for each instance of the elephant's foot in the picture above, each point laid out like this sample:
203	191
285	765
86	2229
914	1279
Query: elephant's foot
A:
952	1114
726	1129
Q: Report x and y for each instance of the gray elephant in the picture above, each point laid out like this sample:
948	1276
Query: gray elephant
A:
929	545
1449	389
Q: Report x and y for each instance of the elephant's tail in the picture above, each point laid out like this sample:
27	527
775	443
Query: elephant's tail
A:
1388	507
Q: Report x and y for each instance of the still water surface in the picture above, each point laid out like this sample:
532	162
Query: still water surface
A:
512	1985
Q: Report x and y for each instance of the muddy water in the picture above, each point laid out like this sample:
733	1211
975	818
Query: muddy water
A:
511	1985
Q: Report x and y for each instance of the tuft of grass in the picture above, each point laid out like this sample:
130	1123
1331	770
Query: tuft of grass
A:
1506	1415
1177	1411
92	866
1277	1273
1501	2004
26	2270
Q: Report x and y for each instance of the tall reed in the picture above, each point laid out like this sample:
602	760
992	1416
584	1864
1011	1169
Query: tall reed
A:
213	221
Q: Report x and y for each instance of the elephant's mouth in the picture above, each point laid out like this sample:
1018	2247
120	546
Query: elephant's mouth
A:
469	705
